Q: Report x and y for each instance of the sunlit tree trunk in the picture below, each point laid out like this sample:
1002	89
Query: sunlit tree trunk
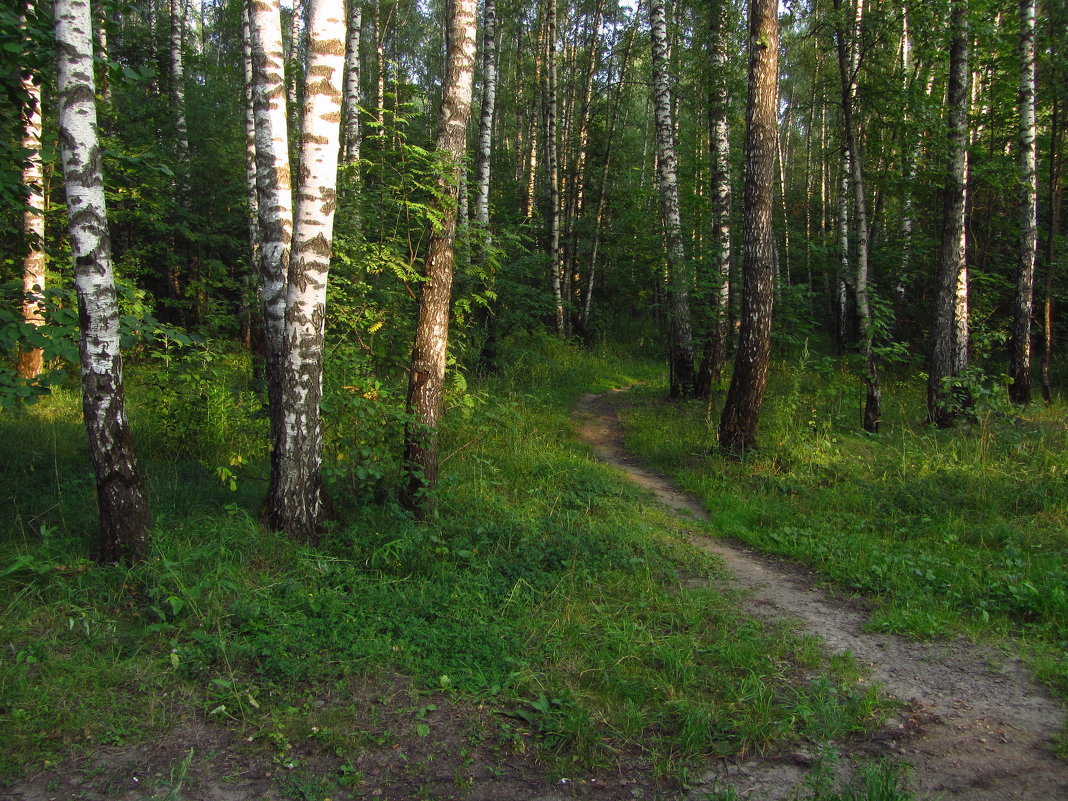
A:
741	410
275	198
353	129
485	119
124	516
30	362
296	56
102	50
296	496
680	277
249	315
944	361
427	376
1020	368
715	355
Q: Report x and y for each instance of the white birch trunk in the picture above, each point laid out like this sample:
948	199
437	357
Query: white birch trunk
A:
553	165
177	9
124	516
296	501
679	273
485	120
274	192
353	129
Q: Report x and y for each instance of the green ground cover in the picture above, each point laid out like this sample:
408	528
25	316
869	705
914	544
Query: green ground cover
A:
545	587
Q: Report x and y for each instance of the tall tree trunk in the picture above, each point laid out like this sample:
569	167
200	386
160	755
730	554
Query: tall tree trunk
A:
1020	369
680	336
252	320
427	376
848	64
275	199
553	164
30	361
1057	28
741	410
102	51
124	516
177	9
353	128
715	355
944	359
485	118
296	57
296	500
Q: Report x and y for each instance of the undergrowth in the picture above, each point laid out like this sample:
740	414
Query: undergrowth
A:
949	531
545	587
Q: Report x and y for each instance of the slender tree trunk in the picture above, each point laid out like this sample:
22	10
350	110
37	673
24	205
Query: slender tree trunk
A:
102	51
680	277
353	129
296	502
1056	198
252	319
945	334
30	362
427	376
553	163
741	410
275	201
295	62
848	64
841	306
613	115
485	120
124	516
715	355
1020	369
177	9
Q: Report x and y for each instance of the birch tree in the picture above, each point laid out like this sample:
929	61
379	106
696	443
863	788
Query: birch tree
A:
946	334
553	164
485	119
296	502
124	515
1020	368
679	274
741	410
848	66
30	361
353	129
177	11
274	197
719	135
427	375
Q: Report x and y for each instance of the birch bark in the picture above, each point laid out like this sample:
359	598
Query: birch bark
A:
680	273
946	347
124	515
296	502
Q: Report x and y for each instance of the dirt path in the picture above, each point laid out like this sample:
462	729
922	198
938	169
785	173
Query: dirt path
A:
980	728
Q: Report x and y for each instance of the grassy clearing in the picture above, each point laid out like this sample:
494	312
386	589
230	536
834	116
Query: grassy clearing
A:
961	530
546	587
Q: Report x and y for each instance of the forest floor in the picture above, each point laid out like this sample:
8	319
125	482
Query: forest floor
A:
975	725
972	725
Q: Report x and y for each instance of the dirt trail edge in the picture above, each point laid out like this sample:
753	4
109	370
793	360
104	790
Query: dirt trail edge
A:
980	727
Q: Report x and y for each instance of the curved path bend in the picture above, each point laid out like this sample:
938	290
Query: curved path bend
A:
979	728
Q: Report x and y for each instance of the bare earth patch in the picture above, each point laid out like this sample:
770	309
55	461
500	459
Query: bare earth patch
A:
979	727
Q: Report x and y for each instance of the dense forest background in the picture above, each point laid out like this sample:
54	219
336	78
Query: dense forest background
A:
609	194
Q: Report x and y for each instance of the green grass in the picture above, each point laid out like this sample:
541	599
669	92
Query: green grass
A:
546	586
961	530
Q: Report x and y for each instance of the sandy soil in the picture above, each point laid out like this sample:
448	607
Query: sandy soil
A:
979	727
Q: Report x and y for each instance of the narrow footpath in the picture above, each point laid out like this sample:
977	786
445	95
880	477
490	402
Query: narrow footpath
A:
976	727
